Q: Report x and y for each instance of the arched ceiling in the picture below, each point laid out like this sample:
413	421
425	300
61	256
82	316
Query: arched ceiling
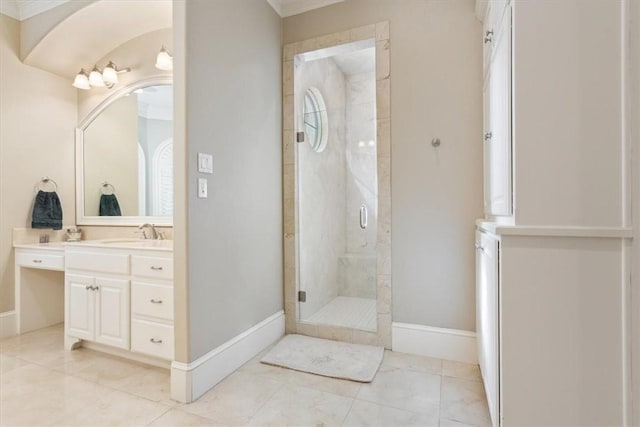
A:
95	30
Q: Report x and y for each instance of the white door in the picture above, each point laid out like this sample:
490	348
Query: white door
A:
487	319
80	306
499	142
112	312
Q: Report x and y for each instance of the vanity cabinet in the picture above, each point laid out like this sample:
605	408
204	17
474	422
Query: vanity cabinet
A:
97	296
497	110
98	309
120	297
39	299
152	306
487	319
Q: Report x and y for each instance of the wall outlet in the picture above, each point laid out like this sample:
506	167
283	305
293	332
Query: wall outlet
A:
202	188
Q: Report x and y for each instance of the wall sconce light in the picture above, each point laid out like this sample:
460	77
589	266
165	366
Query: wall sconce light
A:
99	78
164	60
82	80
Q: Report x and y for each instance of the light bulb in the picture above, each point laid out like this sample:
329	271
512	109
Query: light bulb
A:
82	80
110	74
95	77
164	61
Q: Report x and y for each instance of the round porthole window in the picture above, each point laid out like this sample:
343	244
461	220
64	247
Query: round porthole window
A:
315	120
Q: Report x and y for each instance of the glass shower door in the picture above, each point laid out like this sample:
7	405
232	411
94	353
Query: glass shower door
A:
337	190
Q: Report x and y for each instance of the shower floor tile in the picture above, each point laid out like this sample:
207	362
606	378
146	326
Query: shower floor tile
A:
349	312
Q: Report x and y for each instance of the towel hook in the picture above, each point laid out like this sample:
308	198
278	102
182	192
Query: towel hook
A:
105	187
41	185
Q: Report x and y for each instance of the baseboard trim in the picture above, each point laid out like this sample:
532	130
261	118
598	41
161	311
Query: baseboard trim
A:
441	343
189	381
7	324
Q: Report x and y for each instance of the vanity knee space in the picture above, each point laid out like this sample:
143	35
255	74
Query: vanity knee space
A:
121	298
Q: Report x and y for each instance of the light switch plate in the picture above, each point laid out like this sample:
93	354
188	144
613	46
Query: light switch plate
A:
205	163
202	188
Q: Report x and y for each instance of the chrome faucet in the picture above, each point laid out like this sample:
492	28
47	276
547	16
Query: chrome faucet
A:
154	232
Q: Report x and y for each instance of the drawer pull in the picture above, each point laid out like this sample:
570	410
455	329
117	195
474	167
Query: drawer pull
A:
156	341
154	268
155	301
37	261
89	288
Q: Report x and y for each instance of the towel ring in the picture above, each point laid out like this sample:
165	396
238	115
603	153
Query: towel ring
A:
41	185
105	187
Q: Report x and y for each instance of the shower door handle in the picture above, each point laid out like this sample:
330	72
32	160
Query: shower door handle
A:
363	216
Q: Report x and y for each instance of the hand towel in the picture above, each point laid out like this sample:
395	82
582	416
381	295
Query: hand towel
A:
109	205
47	211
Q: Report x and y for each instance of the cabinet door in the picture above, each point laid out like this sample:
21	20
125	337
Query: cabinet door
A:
487	318
486	155
112	312
80	306
499	142
487	35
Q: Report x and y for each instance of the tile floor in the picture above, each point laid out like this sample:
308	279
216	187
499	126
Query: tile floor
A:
348	312
42	384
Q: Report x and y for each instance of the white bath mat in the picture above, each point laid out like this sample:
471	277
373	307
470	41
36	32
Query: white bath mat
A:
325	357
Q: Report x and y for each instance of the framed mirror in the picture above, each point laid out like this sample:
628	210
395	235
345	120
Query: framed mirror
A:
124	157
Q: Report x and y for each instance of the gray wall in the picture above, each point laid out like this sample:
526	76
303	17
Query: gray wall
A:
233	100
436	91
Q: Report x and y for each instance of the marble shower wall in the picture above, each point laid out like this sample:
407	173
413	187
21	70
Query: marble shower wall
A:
321	188
357	275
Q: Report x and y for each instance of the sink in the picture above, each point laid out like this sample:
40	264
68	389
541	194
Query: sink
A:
128	243
118	241
147	244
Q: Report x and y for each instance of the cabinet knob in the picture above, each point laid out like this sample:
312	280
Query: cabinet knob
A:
154	268
89	288
479	247
488	136
155	301
156	341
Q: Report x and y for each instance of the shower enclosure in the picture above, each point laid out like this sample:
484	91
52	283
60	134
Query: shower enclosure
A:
337	185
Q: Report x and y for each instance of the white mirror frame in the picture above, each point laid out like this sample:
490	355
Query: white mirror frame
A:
81	219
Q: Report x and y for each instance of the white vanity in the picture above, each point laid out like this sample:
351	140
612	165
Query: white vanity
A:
117	293
39	290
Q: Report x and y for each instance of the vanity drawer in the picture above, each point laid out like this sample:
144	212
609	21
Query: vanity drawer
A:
152	300
154	267
34	260
98	262
154	339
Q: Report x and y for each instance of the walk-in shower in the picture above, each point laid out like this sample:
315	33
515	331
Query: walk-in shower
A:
337	185
336	157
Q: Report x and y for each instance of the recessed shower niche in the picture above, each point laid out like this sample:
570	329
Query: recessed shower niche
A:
337	270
